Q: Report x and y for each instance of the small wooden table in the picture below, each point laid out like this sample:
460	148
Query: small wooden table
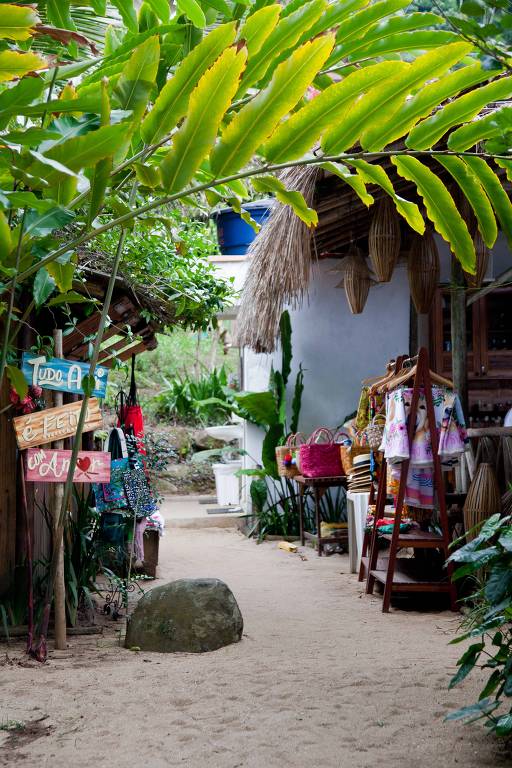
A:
319	485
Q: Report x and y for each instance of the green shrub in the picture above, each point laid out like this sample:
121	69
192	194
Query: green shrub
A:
487	560
203	401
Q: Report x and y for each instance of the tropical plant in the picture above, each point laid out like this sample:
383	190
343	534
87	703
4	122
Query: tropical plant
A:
82	555
488	560
201	101
171	262
269	409
202	401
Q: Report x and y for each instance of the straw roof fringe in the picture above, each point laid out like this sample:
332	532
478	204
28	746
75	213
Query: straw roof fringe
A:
280	267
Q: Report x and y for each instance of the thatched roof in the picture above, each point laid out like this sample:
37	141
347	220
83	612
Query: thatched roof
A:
283	252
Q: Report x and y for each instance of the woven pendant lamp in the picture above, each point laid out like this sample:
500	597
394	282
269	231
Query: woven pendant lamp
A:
423	271
384	240
356	279
483	499
482	262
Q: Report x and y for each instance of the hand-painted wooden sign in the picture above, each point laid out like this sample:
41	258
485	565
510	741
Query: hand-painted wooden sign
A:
42	427
62	375
45	465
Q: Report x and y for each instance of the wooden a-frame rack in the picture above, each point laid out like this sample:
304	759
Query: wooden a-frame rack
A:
407	574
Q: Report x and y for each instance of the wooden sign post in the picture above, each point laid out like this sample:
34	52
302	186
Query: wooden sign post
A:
62	375
41	427
46	465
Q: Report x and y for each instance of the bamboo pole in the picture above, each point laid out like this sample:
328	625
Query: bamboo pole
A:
59	587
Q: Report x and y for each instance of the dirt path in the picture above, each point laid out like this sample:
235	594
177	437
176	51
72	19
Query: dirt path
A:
321	678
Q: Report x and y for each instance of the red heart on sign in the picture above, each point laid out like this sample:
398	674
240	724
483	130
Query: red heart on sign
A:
83	464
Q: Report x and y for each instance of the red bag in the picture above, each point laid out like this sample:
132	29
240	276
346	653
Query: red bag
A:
320	459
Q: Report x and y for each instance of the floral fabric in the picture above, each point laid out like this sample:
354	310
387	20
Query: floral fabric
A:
395	442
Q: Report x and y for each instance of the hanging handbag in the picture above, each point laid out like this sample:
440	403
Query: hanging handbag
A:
287	456
320	459
375	431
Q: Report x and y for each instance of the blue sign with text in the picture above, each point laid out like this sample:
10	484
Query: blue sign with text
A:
62	375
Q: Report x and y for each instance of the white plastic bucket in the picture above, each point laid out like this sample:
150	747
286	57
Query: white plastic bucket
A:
227	484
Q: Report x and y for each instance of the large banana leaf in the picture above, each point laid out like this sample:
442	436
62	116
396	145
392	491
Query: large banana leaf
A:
395	27
172	101
79	152
440	208
133	89
257	119
493	124
100	174
16	22
499	199
356	26
258	26
475	194
127	11
400	122
334	16
461	110
290	197
283	37
137	78
14	64
356	181
365	119
405	42
208	104
296	135
375	174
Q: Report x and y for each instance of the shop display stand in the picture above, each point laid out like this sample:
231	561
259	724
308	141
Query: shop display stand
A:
401	574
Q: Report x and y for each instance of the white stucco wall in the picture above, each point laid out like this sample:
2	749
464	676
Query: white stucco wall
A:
337	349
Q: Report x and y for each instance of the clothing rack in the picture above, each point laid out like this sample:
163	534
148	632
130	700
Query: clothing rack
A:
401	574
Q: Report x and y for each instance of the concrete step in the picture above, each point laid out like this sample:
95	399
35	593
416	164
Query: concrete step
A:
191	512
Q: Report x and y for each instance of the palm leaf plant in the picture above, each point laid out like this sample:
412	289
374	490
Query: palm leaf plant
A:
196	103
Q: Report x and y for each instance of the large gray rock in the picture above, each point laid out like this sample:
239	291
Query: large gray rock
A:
190	615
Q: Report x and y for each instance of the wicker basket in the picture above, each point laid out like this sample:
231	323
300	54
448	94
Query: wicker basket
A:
287	456
320	459
384	240
423	271
356	280
482	262
483	499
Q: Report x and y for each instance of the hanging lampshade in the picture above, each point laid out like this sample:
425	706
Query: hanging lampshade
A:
356	279
384	240
483	499
423	271
482	262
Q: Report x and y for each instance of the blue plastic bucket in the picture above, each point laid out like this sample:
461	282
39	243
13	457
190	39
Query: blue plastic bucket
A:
235	236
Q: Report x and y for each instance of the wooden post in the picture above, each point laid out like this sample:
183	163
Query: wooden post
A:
458	333
57	495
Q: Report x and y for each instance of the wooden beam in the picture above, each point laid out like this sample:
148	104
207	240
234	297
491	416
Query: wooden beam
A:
505	277
7	494
458	333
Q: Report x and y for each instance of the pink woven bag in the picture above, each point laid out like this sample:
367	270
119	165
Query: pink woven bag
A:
320	459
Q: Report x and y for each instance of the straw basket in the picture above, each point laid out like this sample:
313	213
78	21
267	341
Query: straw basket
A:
482	262
384	240
423	271
320	459
483	499
287	456
356	280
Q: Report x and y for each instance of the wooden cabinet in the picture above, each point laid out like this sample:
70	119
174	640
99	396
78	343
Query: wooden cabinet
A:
489	350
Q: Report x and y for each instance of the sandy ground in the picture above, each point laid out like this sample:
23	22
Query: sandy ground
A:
321	678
